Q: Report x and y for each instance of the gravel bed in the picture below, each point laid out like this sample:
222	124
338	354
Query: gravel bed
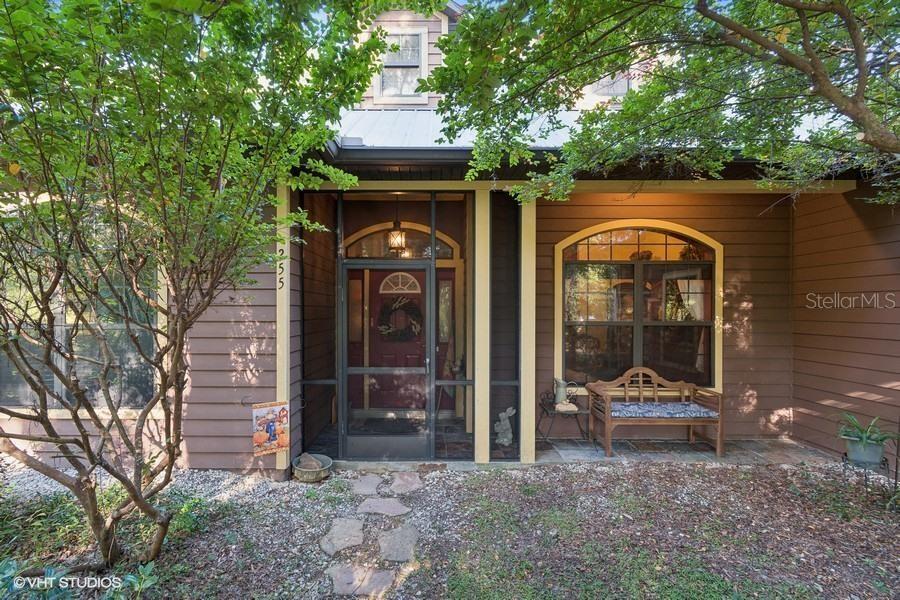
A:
808	528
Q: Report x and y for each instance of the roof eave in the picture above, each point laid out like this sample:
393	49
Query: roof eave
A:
373	155
454	8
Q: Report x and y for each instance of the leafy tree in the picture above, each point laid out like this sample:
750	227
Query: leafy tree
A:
140	145
809	89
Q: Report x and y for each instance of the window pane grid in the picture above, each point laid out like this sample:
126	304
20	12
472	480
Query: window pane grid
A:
612	86
599	292
399	81
675	292
668	329
631	244
408	53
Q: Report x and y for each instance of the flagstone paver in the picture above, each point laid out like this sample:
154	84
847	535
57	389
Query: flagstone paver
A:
355	580
398	544
406	482
366	485
343	534
384	506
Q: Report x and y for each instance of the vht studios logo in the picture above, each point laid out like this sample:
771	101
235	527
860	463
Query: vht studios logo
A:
846	301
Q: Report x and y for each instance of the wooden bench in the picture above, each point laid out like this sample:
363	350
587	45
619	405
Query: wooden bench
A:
641	397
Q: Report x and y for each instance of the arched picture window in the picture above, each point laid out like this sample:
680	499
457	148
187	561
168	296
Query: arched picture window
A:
400	283
638	297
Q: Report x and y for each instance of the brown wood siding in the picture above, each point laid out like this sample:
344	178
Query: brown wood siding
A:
505	260
845	359
231	352
504	289
49	453
296	342
755	233
318	290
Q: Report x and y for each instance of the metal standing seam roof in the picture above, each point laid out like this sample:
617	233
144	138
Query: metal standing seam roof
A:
410	129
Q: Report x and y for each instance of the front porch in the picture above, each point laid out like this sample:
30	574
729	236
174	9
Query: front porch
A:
691	278
737	452
567	451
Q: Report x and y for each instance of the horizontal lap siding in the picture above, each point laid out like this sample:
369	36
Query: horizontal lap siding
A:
50	454
844	359
504	290
232	357
319	278
296	342
755	231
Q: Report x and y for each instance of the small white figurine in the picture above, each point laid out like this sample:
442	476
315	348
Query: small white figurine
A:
503	428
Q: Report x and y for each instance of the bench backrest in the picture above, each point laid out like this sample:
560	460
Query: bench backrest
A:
645	384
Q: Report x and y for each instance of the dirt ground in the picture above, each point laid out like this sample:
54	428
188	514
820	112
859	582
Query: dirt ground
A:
624	530
589	531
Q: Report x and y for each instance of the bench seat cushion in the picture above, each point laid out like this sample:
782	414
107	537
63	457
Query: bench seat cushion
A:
661	410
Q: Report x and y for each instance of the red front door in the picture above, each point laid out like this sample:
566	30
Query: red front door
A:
397	313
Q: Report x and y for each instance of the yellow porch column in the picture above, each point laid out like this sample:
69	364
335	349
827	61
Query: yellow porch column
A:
482	294
283	316
527	300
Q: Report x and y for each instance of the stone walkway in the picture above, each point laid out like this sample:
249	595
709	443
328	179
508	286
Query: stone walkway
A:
396	544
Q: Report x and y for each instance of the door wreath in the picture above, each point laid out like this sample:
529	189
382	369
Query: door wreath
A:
413	320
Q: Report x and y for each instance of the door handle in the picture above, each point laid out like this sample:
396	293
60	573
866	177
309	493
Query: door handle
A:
428	366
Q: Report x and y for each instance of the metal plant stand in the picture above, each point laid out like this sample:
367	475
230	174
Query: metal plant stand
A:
548	410
868	468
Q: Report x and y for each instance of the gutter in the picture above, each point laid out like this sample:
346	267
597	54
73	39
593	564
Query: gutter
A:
373	155
411	156
351	155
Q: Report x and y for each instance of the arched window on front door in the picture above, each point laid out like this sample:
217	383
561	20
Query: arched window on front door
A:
638	297
400	283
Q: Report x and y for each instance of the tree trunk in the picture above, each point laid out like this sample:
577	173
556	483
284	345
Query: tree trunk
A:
108	545
159	536
104	530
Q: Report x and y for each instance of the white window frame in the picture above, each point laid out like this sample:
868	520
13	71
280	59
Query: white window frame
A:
400	282
378	97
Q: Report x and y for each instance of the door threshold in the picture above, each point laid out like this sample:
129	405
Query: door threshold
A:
389	466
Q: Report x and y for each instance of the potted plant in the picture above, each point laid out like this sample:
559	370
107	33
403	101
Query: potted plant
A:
865	444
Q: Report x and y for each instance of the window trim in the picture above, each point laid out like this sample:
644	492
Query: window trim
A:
415	288
125	412
378	97
666	226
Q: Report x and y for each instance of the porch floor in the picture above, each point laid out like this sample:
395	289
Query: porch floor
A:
561	451
451	440
741	452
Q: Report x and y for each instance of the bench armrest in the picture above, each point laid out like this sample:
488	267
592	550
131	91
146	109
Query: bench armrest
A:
710	399
599	399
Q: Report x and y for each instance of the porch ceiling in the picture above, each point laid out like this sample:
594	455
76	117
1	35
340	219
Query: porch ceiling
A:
378	164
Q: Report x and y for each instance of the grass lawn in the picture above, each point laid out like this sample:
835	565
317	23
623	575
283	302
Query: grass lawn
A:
648	530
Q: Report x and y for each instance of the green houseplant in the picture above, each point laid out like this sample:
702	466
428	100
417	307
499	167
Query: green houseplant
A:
865	444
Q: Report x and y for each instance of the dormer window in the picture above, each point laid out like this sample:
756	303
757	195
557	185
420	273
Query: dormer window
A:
403	65
616	86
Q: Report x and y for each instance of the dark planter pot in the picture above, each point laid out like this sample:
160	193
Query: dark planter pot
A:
864	453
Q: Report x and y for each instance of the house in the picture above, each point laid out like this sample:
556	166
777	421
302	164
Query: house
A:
435	310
